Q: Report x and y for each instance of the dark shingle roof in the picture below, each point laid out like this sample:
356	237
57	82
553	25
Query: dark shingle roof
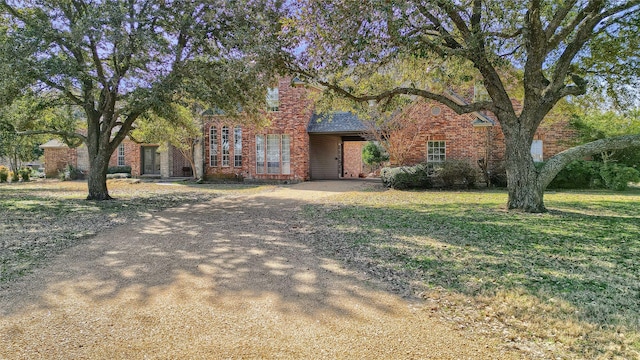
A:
338	122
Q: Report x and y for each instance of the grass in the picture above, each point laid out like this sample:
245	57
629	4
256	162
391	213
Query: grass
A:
565	283
38	219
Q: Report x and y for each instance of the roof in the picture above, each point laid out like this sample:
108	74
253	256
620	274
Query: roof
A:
53	144
337	122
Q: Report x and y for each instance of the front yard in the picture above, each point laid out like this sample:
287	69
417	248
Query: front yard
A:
38	219
565	283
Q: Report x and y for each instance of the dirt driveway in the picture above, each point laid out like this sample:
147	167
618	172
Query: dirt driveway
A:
231	278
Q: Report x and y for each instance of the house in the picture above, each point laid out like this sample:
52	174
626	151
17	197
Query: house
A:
145	160
301	145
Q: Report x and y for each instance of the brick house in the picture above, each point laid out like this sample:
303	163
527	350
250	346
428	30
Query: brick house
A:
144	159
300	145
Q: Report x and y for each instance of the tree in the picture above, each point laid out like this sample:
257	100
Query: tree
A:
181	128
537	51
21	115
119	60
397	134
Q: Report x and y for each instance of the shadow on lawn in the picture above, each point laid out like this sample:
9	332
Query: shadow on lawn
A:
588	261
230	254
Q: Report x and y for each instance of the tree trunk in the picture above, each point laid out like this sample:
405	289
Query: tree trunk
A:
97	181
525	191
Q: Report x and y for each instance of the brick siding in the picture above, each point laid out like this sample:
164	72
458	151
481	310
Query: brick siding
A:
291	119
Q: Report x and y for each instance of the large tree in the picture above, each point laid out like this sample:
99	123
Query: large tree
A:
536	51
119	59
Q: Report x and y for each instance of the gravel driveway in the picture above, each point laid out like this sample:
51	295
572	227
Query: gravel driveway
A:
230	278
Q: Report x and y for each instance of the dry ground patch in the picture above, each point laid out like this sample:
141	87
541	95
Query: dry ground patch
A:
38	219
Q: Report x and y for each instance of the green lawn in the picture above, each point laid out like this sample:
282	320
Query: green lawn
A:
566	282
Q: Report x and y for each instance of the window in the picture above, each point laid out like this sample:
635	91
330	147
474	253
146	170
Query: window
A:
536	150
436	151
436	154
286	154
213	146
273	99
237	146
273	154
121	161
260	154
225	146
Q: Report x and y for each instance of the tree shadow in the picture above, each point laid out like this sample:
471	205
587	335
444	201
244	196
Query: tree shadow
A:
585	261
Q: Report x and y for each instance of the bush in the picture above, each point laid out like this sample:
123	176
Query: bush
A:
452	173
579	174
406	177
4	174
617	177
25	174
498	175
15	176
71	173
372	154
119	169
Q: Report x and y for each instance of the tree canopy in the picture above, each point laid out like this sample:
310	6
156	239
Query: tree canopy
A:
117	60
537	51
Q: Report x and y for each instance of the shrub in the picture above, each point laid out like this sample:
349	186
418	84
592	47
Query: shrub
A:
453	173
119	169
71	173
15	176
25	174
579	174
617	177
4	174
406	177
372	154
498	175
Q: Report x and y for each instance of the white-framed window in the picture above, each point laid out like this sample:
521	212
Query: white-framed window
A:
225	146
273	99
286	154
237	146
121	159
213	146
436	151
536	151
260	154
273	154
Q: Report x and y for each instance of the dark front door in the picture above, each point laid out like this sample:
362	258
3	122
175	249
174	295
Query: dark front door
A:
150	160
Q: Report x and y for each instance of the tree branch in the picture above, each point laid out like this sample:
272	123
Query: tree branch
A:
52	132
553	166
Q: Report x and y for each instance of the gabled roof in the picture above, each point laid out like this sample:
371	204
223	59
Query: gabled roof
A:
337	122
53	144
481	119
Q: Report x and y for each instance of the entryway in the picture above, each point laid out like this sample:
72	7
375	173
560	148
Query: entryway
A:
150	160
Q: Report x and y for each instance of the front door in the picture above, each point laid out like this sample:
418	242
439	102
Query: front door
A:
325	157
150	160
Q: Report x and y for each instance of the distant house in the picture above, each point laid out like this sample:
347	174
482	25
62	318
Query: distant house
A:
143	159
299	144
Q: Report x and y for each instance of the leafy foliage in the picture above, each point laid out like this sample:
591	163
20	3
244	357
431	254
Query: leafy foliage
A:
116	61
539	52
372	154
452	173
406	177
